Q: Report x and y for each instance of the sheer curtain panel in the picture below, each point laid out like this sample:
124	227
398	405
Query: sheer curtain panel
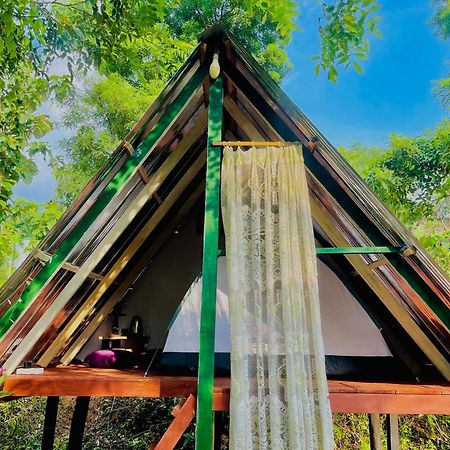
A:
279	395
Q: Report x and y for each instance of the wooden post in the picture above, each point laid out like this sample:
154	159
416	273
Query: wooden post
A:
184	413
218	428
393	437
51	413
204	432
375	432
78	423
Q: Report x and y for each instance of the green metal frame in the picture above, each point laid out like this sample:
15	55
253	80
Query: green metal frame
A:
114	186
347	250
357	250
204	431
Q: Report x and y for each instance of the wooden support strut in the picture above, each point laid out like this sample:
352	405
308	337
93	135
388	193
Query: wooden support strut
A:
183	413
78	423
204	432
375	431
393	437
51	413
142	173
45	257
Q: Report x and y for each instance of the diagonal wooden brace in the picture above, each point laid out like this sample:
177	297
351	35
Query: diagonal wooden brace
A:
183	413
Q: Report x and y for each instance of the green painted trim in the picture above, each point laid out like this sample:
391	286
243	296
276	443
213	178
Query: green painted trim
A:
347	250
342	198
114	186
204	432
356	250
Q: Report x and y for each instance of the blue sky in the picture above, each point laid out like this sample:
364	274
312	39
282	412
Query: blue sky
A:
395	91
393	95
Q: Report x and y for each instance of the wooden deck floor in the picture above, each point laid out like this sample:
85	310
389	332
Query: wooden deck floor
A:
345	396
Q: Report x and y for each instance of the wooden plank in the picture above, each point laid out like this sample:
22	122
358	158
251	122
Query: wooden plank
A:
393	436
389	403
381	290
178	426
78	423
45	257
51	413
142	173
241	119
204	424
375	431
345	396
124	259
125	285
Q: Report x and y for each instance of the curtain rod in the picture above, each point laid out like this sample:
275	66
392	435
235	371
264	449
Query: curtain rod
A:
254	143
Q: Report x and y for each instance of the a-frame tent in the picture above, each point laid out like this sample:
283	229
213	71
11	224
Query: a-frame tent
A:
121	229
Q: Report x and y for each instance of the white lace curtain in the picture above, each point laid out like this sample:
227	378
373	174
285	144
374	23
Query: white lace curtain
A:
279	395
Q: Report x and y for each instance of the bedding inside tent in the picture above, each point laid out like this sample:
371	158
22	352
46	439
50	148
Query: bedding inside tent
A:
354	346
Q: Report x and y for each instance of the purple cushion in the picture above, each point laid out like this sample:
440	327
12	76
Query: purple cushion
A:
102	359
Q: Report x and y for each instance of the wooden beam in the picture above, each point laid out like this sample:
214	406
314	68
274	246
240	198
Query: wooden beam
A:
345	396
393	437
78	423
113	234
183	417
241	119
51	413
378	263
322	218
45	257
117	295
123	260
204	424
375	431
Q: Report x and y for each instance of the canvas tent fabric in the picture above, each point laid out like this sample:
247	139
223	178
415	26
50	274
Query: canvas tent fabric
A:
347	328
161	169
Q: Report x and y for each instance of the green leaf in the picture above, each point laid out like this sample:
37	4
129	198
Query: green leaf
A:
317	69
357	67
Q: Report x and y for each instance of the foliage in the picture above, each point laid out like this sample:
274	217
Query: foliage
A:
441	23
125	423
263	27
26	224
21	94
2	382
441	18
344	34
143	41
412	176
419	432
33	33
134	423
442	90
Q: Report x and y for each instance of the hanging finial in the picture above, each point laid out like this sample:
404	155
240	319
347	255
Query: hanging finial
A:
214	68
